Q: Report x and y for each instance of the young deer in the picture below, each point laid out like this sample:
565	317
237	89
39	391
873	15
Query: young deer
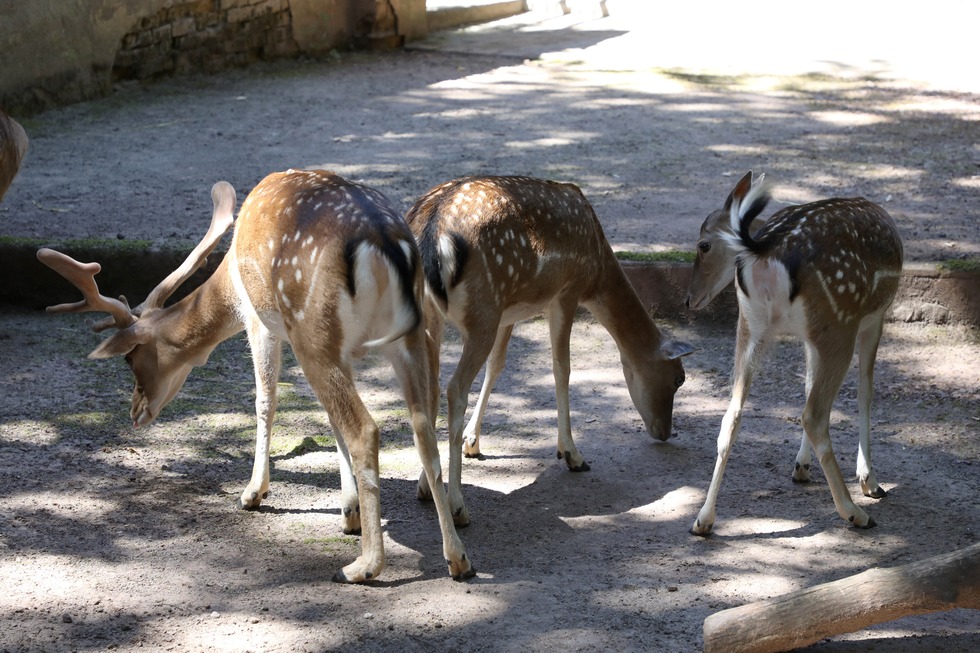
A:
326	265
497	250
825	272
13	147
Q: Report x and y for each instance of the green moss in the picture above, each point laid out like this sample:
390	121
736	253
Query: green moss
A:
114	244
671	256
961	265
285	446
702	79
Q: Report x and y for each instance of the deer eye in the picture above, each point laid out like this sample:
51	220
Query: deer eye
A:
704	246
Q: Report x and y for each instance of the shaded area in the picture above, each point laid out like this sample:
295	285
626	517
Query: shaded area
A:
134	534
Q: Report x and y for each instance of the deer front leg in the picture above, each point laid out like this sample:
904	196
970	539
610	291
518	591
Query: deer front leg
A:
266	357
495	365
747	352
560	316
476	348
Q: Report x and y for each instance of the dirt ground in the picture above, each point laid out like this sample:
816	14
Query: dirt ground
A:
120	539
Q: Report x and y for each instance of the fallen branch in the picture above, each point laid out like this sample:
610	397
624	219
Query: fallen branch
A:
797	619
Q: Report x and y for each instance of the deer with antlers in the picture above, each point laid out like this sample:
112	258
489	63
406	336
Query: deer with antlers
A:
319	262
824	272
497	250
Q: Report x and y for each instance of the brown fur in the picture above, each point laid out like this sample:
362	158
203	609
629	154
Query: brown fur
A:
13	147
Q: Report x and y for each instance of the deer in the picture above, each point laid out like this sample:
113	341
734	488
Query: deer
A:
328	266
13	147
825	273
501	249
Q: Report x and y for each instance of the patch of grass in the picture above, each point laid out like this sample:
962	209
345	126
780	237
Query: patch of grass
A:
961	265
287	447
102	422
671	256
702	79
79	243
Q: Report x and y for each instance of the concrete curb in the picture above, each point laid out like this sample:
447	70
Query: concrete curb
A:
441	18
926	294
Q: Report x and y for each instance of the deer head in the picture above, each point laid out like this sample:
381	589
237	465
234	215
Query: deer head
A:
715	262
150	338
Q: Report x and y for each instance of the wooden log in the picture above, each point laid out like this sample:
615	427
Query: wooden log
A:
800	618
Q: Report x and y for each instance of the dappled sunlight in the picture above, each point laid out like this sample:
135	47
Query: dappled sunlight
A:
742	526
848	118
673	506
72	577
971	183
33	432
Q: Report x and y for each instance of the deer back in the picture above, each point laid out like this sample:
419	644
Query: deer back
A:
317	254
508	242
843	255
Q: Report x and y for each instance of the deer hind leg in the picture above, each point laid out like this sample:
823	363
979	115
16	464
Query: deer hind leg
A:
266	357
868	339
411	369
560	317
801	472
350	508
748	350
495	365
334	387
828	373
435	326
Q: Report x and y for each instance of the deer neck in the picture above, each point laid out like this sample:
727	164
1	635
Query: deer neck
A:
205	318
616	306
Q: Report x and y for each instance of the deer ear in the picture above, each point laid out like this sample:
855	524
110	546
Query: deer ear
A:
119	343
673	349
741	189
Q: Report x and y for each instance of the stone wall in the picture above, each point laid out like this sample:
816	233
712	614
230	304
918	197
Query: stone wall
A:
205	36
62	51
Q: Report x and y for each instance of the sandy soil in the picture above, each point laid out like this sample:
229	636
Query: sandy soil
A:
118	539
123	539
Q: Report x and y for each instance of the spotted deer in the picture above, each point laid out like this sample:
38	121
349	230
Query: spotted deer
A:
824	272
13	147
319	262
498	250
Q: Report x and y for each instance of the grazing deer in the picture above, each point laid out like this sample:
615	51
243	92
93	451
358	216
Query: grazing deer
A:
13	147
497	250
326	265
825	272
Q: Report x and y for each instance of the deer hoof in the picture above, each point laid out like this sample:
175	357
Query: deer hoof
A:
699	530
801	474
461	518
871	523
582	467
877	493
253	502
469	573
